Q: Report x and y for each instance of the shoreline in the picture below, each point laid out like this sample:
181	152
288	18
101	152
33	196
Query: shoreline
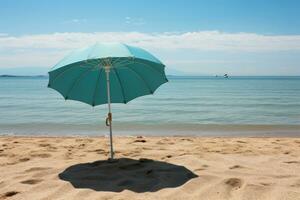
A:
145	136
121	129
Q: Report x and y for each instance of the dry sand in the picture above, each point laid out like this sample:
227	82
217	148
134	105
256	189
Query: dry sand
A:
172	168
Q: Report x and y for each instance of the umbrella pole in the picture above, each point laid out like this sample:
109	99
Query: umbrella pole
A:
109	116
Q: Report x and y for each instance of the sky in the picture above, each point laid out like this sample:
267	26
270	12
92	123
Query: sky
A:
215	37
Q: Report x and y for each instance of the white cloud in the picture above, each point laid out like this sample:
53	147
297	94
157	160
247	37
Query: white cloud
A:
46	49
135	21
75	21
202	40
127	19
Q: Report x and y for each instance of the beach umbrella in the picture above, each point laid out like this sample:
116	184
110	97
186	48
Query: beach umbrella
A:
107	73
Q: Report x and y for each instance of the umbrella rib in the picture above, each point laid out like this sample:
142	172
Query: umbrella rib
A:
124	63
91	62
119	80
148	66
100	71
140	77
115	62
77	81
67	69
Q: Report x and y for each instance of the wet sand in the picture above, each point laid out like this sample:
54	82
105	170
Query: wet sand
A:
150	168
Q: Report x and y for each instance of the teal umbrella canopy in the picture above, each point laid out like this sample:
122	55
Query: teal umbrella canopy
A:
81	75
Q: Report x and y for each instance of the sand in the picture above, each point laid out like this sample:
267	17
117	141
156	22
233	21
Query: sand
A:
149	168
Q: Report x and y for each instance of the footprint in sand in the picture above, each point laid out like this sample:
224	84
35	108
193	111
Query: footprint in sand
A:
126	154
41	155
96	150
146	148
292	162
24	159
236	167
140	140
68	155
283	176
33	169
266	184
45	145
296	184
42	141
48	147
31	181
199	169
4	155
167	156
187	139
234	183
9	194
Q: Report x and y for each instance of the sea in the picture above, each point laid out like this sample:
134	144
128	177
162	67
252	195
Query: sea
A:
204	105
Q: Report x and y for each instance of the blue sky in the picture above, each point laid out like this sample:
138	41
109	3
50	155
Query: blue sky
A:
238	37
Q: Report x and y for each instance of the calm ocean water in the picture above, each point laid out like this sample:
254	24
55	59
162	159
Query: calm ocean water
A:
184	105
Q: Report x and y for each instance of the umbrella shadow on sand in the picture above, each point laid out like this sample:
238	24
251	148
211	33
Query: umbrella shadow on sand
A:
142	175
